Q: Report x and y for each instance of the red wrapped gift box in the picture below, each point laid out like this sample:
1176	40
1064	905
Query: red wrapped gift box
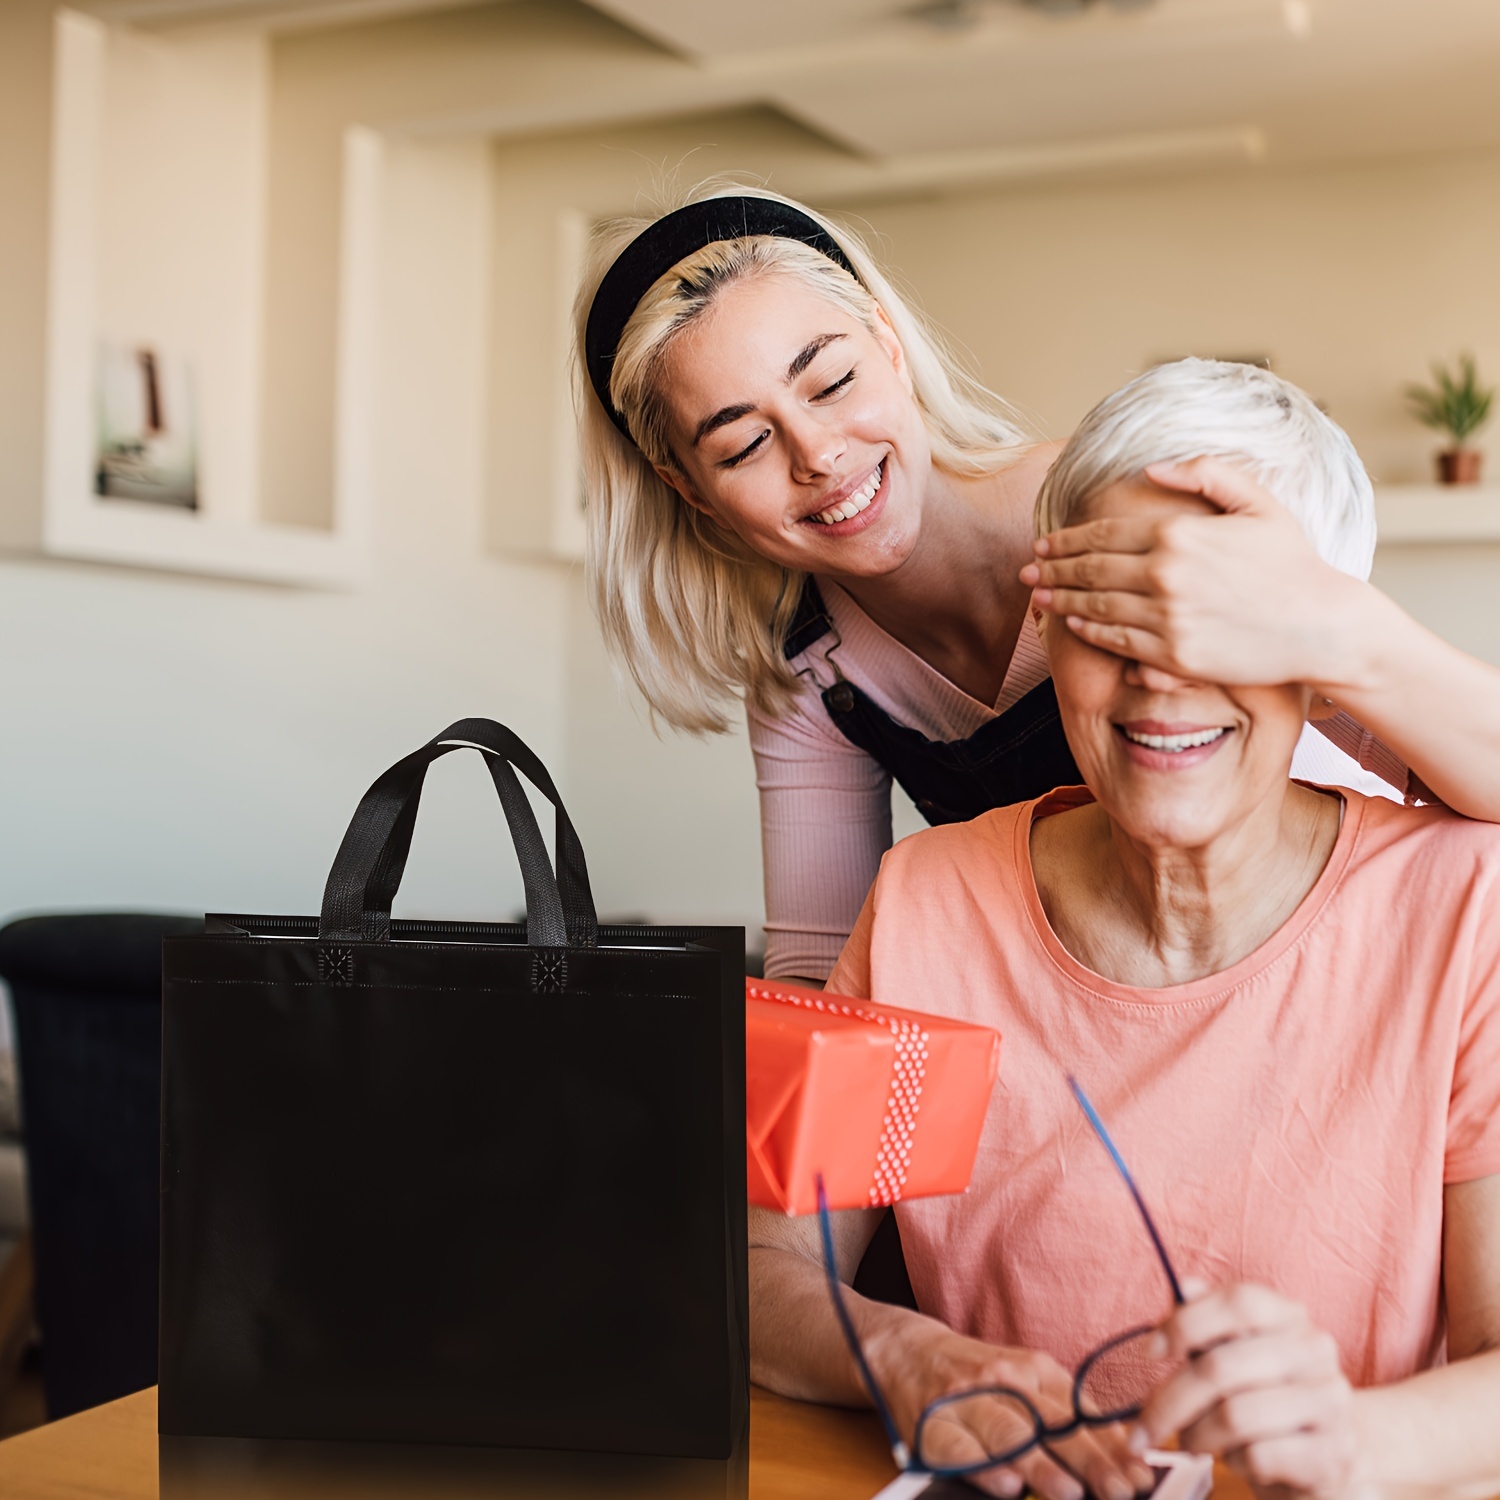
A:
885	1103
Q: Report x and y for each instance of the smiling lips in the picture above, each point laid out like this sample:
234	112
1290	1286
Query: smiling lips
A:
1170	747
851	506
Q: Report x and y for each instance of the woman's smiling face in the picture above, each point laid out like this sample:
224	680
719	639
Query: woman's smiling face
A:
794	426
1175	763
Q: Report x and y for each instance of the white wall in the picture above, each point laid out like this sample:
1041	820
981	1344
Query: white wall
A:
191	744
1351	276
670	822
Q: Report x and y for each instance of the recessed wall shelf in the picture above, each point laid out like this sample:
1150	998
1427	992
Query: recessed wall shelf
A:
160	161
1409	514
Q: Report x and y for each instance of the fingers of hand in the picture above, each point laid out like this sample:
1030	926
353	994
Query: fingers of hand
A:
1231	1312
1049	1479
1131	572
1258	1362
1101	1458
956	1437
1108	534
990	1420
1005	1483
1133	642
1308	1462
1102	605
1251	1417
1220	482
970	1431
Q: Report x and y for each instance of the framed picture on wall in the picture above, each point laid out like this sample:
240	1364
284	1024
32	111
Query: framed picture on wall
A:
146	446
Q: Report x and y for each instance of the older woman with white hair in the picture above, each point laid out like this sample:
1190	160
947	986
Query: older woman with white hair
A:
1285	1001
798	500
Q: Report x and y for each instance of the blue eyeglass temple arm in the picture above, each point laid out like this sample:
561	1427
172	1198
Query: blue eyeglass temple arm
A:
1124	1171
899	1451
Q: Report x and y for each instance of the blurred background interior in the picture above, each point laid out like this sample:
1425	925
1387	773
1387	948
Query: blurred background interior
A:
287	478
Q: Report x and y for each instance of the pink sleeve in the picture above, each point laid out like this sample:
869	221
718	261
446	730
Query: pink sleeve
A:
1474	1104
1345	731
851	974
825	820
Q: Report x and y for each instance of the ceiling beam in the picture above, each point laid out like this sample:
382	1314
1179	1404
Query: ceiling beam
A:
260	15
935	171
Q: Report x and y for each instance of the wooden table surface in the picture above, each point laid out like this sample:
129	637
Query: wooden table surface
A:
797	1452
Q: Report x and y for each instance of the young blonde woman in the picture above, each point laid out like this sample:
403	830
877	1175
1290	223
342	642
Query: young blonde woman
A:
797	499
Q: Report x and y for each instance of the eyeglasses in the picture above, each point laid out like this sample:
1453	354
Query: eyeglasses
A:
981	1427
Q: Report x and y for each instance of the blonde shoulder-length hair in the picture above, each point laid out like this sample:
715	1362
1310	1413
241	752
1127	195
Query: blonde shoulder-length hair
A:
696	617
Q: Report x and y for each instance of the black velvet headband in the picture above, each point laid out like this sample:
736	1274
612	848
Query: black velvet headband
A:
673	237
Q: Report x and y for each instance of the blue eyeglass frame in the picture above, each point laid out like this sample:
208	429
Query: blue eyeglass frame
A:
1042	1431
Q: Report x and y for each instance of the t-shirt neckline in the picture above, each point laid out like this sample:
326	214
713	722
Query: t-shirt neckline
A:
1309	909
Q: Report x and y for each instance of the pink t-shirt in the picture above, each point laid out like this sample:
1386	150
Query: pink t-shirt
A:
1291	1121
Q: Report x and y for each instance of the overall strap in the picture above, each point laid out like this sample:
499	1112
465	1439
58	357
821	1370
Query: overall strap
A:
811	621
1019	755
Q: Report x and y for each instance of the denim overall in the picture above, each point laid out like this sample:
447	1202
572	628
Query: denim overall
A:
1017	756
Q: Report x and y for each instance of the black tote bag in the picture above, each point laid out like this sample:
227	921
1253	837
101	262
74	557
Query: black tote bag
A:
458	1183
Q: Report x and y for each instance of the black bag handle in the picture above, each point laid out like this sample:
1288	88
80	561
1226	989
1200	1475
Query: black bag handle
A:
367	870
572	877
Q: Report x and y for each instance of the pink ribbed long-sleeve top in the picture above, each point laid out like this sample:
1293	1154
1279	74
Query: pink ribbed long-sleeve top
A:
825	804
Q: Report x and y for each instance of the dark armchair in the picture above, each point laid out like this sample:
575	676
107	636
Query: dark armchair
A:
86	994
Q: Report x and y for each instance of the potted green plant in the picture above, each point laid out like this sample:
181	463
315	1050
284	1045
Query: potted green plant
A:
1458	405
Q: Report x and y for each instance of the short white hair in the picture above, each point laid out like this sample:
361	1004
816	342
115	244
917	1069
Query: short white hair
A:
1207	408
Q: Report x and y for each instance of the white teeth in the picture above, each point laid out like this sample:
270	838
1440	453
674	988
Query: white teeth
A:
1174	744
857	502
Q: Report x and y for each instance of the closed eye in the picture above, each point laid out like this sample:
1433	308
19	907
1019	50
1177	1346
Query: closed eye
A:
743	454
837	386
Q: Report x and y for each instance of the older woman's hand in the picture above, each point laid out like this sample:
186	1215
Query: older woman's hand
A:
1262	1389
1237	598
925	1362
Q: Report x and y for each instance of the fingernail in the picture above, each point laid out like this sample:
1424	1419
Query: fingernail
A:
1138	1439
1041	546
1144	1479
1156	1346
1009	1485
1116	1488
1042	598
1192	1287
1067	1488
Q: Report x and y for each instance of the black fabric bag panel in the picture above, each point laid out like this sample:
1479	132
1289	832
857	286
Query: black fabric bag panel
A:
445	1186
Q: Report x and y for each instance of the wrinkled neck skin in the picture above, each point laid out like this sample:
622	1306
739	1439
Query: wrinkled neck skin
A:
955	600
1152	914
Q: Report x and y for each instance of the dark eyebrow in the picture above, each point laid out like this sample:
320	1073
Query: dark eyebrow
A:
809	354
721	418
727	414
